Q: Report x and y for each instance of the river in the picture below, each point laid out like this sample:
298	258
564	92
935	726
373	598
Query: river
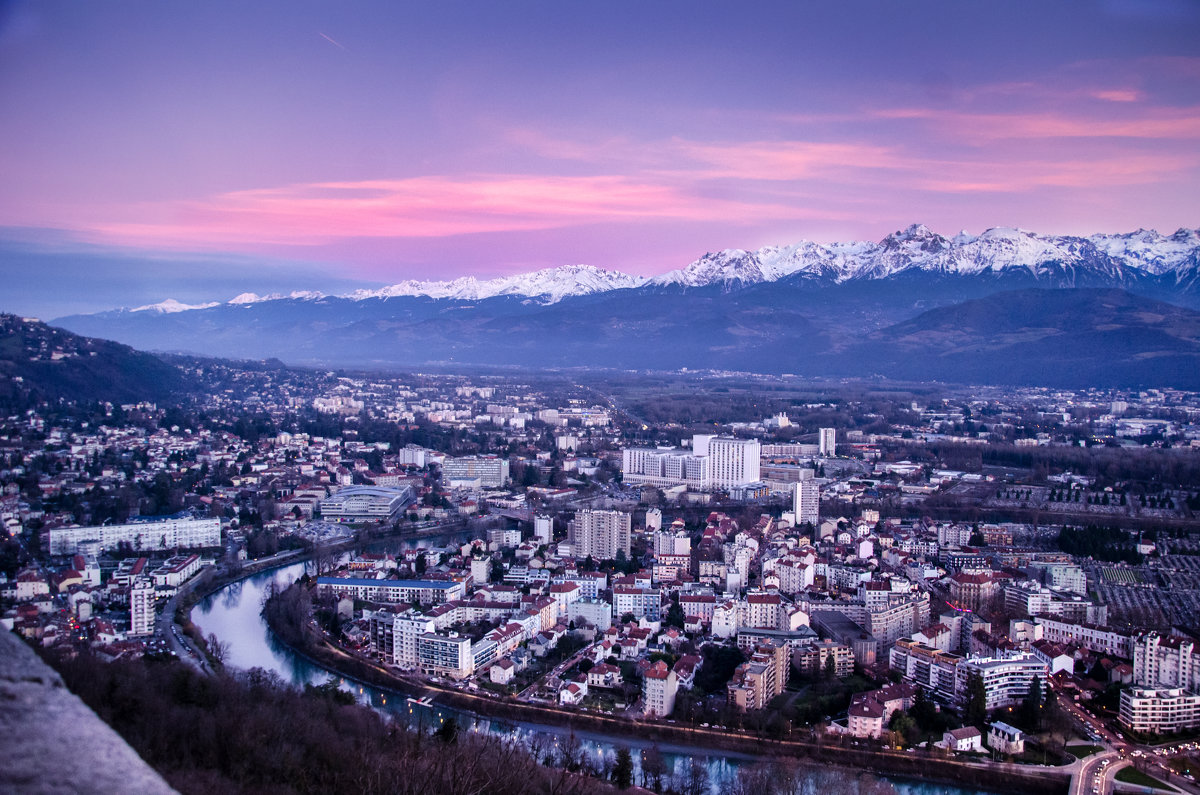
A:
233	615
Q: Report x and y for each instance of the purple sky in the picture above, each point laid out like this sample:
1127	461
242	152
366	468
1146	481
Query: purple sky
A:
378	141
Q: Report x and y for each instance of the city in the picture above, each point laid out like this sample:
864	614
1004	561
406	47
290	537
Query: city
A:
1004	575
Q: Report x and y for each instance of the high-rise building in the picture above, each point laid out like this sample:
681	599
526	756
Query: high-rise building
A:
735	462
543	529
141	607
827	442
601	534
806	502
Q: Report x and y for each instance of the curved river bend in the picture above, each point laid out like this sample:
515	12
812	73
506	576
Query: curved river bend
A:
233	615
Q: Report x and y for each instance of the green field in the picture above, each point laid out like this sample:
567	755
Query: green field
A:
1131	776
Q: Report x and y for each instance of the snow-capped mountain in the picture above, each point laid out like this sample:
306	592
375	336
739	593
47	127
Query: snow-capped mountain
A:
808	308
550	284
1103	259
1000	249
171	306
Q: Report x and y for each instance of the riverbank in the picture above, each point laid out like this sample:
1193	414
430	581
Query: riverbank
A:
916	765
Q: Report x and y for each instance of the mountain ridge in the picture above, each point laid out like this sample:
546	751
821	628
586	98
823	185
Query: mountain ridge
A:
1119	258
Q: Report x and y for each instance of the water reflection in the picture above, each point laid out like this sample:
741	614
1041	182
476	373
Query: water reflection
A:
234	616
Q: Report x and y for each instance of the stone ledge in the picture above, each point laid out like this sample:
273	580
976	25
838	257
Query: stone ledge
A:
52	742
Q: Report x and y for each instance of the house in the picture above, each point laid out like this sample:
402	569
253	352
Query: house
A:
503	672
967	738
1006	739
604	675
573	693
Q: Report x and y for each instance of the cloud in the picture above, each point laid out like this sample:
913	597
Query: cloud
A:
1183	124
433	206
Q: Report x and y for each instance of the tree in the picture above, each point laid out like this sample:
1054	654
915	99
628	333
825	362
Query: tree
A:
975	710
653	768
448	731
1031	706
622	773
830	667
675	616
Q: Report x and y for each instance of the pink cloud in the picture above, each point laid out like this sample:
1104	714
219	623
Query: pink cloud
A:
433	206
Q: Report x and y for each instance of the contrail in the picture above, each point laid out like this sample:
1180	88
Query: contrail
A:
331	41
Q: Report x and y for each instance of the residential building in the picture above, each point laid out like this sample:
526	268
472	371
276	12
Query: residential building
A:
425	592
827	442
445	655
490	471
1157	711
659	687
601	535
151	534
141	607
806	502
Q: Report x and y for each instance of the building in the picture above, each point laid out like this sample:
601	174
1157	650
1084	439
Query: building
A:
865	719
973	592
965	739
640	602
1157	711
601	534
543	528
663	467
1166	662
827	442
813	658
713	463
932	669
735	462
759	679
445	655
424	592
365	504
1098	639
1006	680
659	687
806	502
148	535
1005	739
176	571
491	471
141	607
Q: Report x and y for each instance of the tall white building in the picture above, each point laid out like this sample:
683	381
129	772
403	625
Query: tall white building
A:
141	607
601	534
543	529
734	461
660	685
806	502
827	442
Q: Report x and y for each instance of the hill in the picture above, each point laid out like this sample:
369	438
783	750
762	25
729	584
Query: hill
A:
41	362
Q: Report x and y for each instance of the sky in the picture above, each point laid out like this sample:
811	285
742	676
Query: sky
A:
153	150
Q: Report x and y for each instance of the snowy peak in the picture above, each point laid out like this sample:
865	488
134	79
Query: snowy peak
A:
1109	259
171	306
550	284
295	295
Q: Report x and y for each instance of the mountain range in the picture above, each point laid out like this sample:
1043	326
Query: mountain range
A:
809	309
